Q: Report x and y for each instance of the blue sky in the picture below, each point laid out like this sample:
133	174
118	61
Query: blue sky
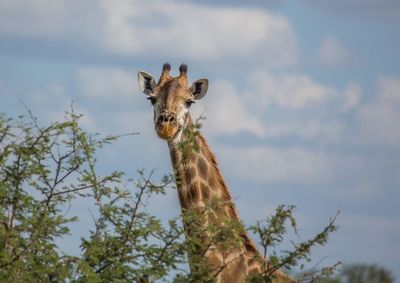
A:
303	106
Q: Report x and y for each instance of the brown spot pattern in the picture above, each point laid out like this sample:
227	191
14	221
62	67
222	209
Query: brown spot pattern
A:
194	192
205	191
212	182
190	175
202	167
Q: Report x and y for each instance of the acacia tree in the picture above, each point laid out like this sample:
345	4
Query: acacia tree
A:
365	273
361	273
43	169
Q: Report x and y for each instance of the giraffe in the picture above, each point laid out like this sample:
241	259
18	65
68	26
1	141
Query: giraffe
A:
199	180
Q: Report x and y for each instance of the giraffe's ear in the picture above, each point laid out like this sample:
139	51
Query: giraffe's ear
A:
146	82
199	88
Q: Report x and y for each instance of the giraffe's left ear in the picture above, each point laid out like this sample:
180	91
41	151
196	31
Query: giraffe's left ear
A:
146	82
199	88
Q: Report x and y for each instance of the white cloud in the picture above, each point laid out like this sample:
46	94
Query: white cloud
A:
389	90
264	164
332	53
33	18
293	91
115	100
305	101
107	83
228	113
312	129
379	119
299	166
156	28
50	102
71	22
314	111
169	28
352	97
386	9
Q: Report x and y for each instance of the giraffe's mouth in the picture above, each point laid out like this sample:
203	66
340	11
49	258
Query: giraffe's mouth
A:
166	131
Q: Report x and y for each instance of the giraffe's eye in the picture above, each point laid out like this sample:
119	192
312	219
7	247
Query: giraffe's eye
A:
152	99
189	102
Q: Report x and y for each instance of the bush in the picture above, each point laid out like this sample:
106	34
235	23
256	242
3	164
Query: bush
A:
42	169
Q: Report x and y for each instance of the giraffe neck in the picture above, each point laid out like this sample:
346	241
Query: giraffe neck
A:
200	183
197	174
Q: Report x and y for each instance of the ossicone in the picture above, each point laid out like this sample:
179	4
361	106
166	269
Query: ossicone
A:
183	69
165	73
166	67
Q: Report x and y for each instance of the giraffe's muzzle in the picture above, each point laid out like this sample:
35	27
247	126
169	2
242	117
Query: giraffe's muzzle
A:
166	126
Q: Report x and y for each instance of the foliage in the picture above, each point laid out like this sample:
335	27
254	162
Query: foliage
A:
361	273
43	170
271	233
222	234
188	145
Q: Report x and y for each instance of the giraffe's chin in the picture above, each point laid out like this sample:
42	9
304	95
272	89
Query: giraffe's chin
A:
166	132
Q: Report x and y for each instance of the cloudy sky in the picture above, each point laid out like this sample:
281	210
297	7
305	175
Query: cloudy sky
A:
303	106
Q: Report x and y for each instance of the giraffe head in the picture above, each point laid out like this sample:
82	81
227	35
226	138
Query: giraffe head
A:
171	98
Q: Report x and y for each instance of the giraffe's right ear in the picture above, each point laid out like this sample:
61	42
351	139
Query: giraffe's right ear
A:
199	88
146	82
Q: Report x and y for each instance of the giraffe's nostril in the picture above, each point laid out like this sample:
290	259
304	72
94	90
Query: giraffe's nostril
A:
162	118
166	118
